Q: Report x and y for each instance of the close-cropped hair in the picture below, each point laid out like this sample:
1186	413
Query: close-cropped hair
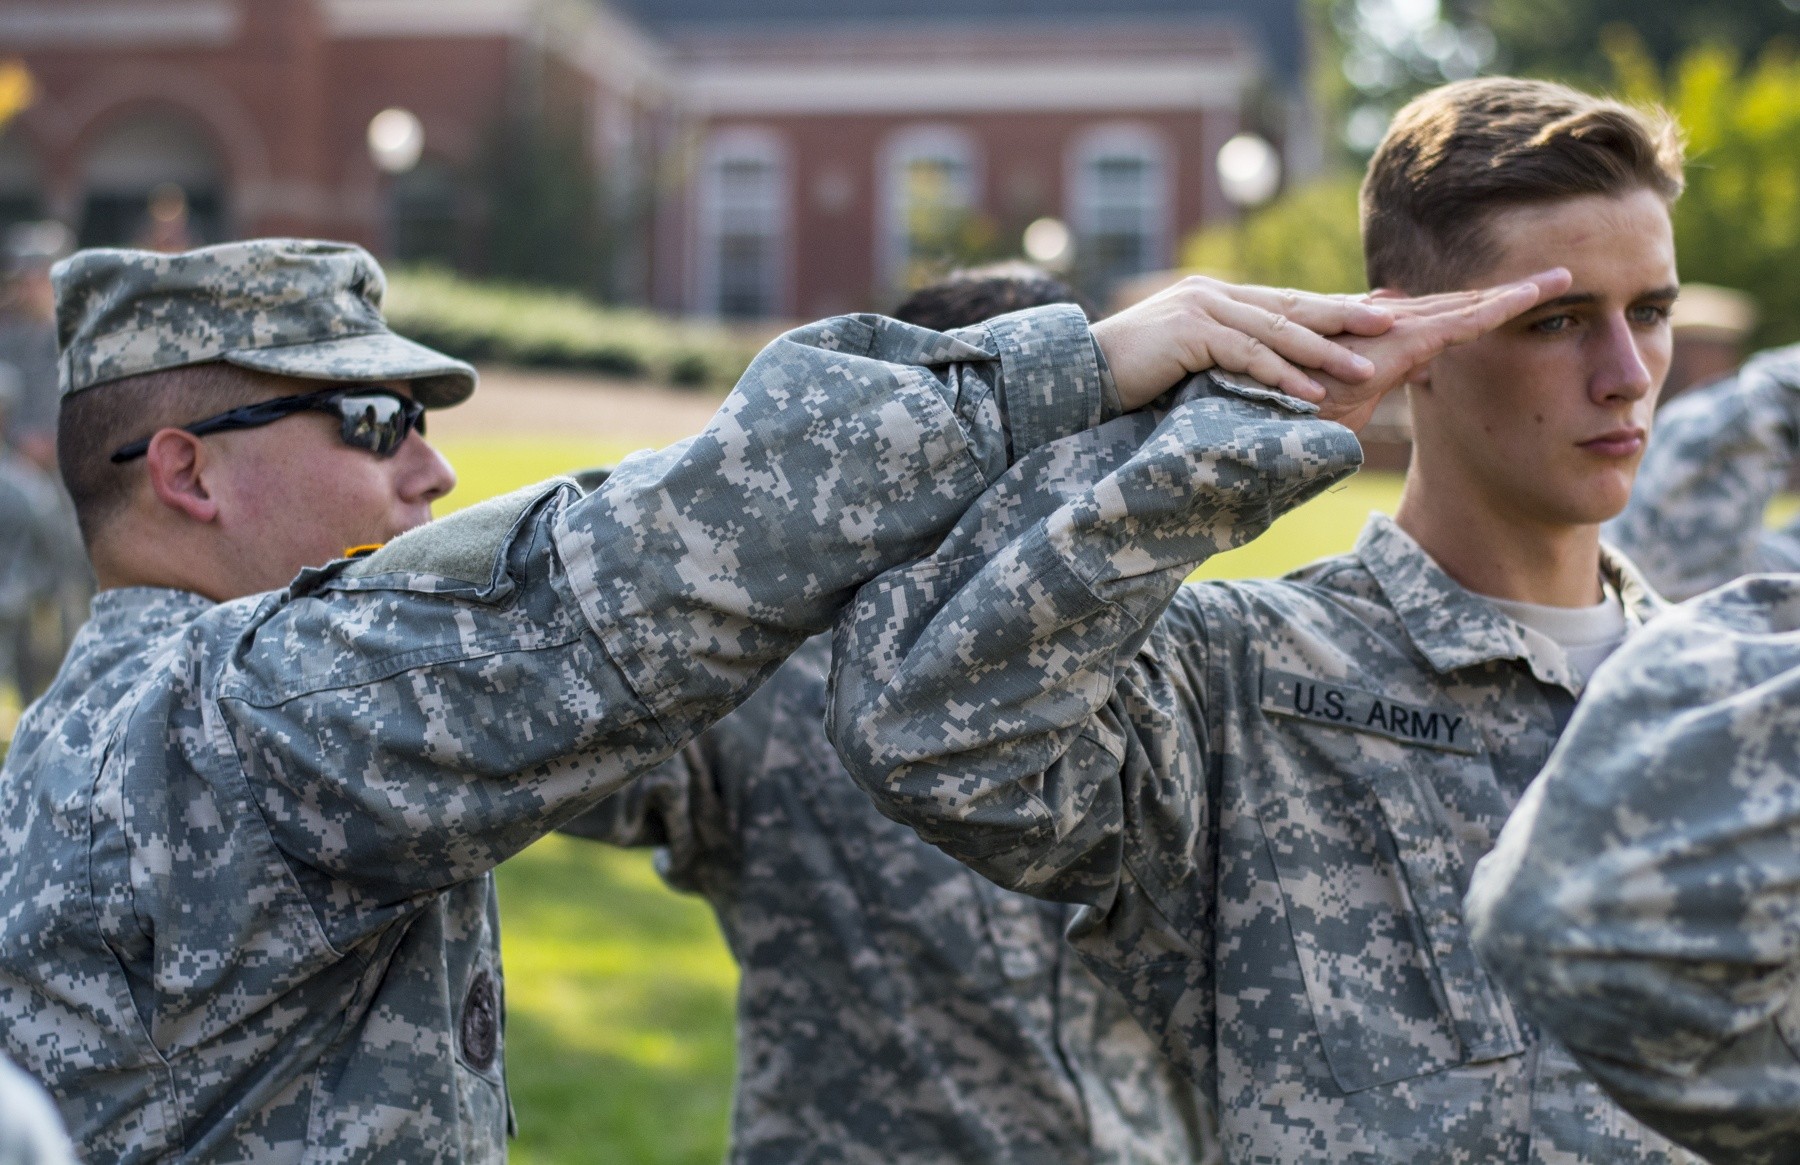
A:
972	294
96	421
1457	155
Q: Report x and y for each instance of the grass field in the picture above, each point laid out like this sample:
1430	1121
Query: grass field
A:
619	992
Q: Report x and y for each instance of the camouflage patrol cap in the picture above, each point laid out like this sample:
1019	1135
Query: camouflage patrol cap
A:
294	307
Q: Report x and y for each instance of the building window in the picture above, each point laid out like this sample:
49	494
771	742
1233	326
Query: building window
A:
153	179
423	223
929	205
1120	205
21	187
743	208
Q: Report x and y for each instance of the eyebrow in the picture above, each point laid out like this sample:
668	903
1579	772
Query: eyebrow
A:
1587	298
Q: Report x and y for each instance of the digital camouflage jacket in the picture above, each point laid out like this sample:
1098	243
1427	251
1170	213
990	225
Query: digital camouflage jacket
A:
895	1007
247	911
1644	902
1717	458
1269	795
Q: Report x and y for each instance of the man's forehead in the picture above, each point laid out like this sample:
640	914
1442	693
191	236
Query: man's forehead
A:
1612	244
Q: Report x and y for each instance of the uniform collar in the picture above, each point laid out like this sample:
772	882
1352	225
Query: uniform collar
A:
1453	627
145	611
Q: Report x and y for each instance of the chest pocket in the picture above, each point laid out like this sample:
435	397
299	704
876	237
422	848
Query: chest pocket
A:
1372	875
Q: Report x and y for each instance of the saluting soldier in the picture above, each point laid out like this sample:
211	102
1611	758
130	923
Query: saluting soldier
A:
1270	794
248	911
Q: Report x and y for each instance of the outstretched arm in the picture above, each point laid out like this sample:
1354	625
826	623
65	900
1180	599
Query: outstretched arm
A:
1717	458
451	697
1643	903
985	695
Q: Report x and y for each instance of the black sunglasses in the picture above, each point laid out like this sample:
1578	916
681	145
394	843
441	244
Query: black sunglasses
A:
374	419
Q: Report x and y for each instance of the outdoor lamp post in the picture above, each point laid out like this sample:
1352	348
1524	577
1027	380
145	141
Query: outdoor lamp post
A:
396	140
1249	174
1048	243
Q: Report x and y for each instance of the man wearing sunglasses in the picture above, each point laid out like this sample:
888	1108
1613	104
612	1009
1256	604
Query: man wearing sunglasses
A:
247	912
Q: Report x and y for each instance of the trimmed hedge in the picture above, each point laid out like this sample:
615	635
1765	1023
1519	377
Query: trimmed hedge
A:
535	327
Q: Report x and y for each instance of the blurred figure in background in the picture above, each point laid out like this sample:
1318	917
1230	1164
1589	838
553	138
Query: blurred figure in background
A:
28	336
56	583
868	955
1717	458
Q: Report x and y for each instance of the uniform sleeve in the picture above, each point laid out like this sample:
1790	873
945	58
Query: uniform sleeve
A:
412	719
1006	697
1718	456
1643	903
686	806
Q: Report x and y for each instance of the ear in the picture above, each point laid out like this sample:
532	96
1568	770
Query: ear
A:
177	464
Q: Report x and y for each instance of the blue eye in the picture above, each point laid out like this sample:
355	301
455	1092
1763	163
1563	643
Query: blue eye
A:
1551	325
1649	314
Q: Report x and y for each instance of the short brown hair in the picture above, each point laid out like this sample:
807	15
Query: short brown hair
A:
1459	153
970	295
97	421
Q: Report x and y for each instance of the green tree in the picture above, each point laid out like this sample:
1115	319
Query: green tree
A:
1566	38
1310	237
1739	222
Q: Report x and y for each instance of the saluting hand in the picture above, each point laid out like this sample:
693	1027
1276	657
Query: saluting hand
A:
1422	328
1276	336
1342	353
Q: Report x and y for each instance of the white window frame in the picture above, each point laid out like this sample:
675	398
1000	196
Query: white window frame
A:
1123	140
909	145
764	148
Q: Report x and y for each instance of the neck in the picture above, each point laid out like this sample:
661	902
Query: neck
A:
144	562
1506	556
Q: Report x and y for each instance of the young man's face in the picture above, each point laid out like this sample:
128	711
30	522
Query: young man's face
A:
1546	418
294	495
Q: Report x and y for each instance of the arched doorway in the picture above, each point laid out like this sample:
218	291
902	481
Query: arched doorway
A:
153	178
21	182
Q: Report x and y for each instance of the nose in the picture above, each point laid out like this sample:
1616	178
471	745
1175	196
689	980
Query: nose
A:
1621	372
421	475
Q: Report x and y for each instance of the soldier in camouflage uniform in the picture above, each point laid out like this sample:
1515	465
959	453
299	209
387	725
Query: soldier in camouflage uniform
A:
1720	455
1643	904
863	950
894	1006
1270	795
249	912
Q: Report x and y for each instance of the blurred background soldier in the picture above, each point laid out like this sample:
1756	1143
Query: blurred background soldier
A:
1717	458
28	336
61	582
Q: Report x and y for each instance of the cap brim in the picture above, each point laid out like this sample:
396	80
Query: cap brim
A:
438	381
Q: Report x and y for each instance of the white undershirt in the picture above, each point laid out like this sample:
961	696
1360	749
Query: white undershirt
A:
1587	635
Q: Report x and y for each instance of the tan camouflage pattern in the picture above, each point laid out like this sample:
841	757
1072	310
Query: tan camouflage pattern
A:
894	1006
1643	904
30	1132
248	914
296	307
1717	457
1269	795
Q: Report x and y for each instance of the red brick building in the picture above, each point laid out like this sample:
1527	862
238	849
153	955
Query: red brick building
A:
753	157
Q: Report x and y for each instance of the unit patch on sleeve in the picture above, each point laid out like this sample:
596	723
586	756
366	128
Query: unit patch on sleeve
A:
1328	702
